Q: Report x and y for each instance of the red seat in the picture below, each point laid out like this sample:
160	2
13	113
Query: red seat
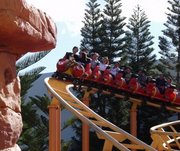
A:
78	71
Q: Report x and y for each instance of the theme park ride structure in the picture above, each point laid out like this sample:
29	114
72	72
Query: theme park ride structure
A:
62	96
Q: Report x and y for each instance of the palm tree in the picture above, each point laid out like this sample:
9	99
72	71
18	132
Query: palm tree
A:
34	109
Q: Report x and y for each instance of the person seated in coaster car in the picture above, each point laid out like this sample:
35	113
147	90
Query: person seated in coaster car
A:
96	74
104	63
161	83
171	94
119	81
153	91
127	74
85	61
68	60
106	76
142	78
105	70
135	86
94	60
115	69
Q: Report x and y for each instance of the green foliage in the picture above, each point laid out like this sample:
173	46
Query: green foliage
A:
169	43
91	27
148	117
112	32
35	124
34	109
30	59
139	42
28	78
113	109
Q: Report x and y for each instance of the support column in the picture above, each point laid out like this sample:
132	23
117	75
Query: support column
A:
85	127
54	125
133	119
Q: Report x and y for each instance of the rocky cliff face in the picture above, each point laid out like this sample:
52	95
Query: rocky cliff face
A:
23	28
10	110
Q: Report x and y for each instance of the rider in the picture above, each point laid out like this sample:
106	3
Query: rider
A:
115	69
161	83
94	60
72	55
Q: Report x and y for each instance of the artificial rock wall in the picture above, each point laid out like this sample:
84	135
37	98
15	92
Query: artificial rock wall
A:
23	28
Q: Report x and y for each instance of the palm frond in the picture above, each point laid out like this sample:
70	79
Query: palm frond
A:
30	59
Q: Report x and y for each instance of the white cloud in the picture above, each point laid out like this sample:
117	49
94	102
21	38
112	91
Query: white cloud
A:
70	12
154	9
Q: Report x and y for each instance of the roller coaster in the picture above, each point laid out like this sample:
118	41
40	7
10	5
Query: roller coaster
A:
165	136
85	75
72	75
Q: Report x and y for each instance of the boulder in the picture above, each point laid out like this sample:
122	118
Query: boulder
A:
23	28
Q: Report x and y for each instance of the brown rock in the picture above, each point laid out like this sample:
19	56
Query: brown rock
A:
10	117
24	28
9	83
11	127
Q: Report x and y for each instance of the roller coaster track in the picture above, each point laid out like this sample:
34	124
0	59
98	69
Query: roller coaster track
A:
115	136
166	136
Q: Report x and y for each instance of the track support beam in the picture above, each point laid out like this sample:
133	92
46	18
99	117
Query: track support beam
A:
54	125
85	127
133	118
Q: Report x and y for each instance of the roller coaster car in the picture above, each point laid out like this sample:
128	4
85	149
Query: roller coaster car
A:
153	92
136	87
172	95
175	98
69	70
168	96
88	71
96	74
120	82
106	77
62	65
78	71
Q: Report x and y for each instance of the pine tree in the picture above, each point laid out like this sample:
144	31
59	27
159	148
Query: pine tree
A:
112	34
169	43
139	41
112	45
91	27
140	57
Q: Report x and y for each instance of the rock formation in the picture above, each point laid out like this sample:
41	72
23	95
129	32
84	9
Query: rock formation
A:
23	28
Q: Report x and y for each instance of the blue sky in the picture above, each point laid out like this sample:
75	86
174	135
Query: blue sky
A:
68	16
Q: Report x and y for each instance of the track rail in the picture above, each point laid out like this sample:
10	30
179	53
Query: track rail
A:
166	136
114	137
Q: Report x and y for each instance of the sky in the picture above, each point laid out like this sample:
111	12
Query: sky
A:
69	14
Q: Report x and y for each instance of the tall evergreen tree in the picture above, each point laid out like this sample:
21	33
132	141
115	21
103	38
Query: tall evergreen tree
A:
140	56
91	27
112	45
112	32
139	41
169	43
